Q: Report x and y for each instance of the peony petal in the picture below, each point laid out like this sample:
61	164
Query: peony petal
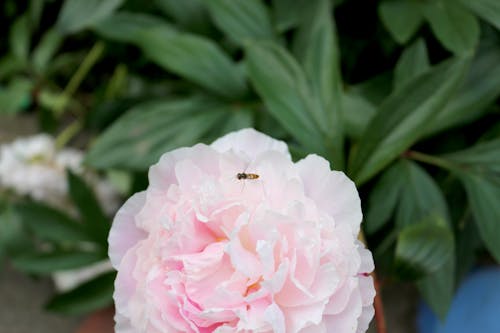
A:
320	328
250	143
124	233
332	191
347	320
274	316
162	174
366	317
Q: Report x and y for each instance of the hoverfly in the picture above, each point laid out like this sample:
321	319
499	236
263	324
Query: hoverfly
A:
243	176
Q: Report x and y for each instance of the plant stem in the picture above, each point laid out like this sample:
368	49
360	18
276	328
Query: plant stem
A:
432	160
82	71
68	133
379	307
377	302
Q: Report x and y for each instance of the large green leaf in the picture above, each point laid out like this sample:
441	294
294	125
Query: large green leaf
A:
482	158
193	57
412	63
488	10
420	198
196	58
483	194
50	224
46	49
317	50
403	116
190	14
384	197
455	27
288	14
94	218
16	96
480	88
283	86
402	18
153	128
423	248
421	201
46	263
14	239
357	112
19	38
125	26
438	288
242	19
79	14
90	296
478	168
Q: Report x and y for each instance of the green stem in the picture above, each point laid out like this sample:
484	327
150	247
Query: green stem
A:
68	133
432	160
82	71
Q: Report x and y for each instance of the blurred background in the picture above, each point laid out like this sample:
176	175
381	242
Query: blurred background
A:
402	95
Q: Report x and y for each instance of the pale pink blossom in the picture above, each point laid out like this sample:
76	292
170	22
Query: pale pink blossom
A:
203	251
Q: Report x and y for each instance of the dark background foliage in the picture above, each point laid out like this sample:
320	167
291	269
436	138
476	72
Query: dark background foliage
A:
402	95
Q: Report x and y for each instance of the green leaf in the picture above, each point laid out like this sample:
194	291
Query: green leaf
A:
420	198
197	59
189	14
403	116
482	158
94	219
438	288
480	88
10	65
412	63
402	18
421	201
50	224
384	197
242	20
150	129
283	86
483	194
20	38
468	244
17	96
288	14
455	27
88	297
126	26
13	236
376	89
317	51
423	248
357	113
47	263
488	10
35	10
240	117
76	15
45	50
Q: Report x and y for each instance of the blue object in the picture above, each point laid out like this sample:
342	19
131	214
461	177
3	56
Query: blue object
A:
475	308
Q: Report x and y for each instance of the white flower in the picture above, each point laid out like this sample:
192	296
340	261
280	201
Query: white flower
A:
34	167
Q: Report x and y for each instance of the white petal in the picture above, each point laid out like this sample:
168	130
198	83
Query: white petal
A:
332	191
274	316
249	143
124	233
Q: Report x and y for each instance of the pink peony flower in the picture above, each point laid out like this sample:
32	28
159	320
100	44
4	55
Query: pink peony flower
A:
203	251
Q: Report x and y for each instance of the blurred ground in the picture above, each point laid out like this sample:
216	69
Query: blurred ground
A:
22	298
21	303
